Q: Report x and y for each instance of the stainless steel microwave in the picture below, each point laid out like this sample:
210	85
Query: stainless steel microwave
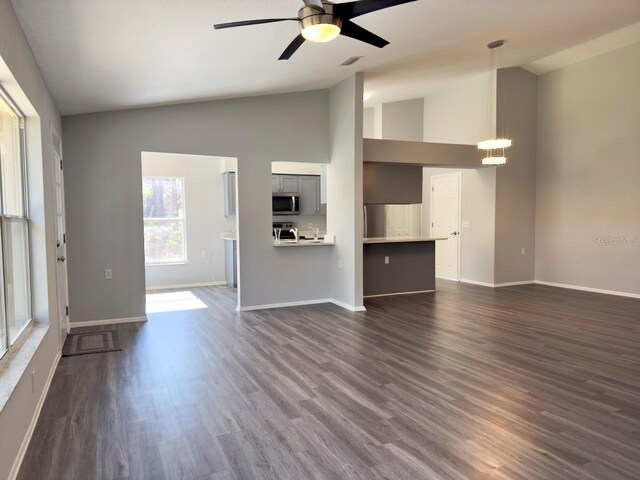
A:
286	203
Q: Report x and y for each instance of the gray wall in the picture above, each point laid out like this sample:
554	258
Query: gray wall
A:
20	76
205	220
588	174
104	202
344	191
392	184
403	120
458	113
477	233
516	181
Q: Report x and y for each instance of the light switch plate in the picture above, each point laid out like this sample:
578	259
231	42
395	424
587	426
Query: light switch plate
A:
108	274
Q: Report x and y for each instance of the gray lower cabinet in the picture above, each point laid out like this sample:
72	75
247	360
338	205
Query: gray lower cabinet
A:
231	263
229	192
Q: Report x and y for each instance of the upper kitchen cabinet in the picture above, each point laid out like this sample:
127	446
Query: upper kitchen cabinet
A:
310	195
285	183
229	192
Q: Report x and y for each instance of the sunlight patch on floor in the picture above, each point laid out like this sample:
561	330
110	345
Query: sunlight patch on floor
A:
173	302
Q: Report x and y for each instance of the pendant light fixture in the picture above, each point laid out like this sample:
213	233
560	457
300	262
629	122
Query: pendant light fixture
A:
492	144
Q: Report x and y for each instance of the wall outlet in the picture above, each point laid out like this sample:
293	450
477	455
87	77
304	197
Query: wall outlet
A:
108	274
311	226
340	264
386	260
524	251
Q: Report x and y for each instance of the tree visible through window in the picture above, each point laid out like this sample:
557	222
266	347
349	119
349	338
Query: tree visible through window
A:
164	220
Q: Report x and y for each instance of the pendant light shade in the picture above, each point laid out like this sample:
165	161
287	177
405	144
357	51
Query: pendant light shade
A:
491	143
494	160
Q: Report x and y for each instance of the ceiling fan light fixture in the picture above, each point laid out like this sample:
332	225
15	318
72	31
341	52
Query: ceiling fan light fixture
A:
320	28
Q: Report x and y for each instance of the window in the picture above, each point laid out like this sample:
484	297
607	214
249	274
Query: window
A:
15	283
164	223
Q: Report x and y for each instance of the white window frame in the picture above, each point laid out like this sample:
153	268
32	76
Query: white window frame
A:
7	351
184	260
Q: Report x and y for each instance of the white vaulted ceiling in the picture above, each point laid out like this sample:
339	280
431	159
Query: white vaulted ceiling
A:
101	55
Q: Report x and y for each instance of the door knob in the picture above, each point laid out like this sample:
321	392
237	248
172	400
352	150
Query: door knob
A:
454	233
61	259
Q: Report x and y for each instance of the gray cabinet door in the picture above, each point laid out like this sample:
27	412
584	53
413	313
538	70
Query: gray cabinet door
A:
229	189
230	263
275	183
309	195
289	183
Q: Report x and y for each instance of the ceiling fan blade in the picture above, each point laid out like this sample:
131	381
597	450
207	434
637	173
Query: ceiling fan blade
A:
314	3
351	30
253	22
291	49
362	7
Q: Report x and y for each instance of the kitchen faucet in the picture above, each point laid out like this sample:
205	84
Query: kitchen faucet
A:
295	233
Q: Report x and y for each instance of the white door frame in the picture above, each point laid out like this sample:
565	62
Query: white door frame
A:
458	175
62	304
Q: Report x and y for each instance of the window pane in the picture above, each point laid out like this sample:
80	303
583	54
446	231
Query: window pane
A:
16	280
163	197
11	165
163	241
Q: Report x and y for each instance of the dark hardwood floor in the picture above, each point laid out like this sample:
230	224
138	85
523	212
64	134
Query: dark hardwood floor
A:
526	382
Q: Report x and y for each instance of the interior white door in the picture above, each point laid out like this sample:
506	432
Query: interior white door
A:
445	223
61	251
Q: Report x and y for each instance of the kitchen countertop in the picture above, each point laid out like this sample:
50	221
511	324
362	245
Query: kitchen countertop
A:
302	243
400	239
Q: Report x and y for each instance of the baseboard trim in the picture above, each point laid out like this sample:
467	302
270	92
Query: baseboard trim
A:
346	306
449	278
589	289
109	321
497	285
185	285
15	469
475	282
398	293
282	305
513	284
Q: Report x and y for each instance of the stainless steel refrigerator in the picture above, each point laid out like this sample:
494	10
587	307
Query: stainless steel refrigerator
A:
386	220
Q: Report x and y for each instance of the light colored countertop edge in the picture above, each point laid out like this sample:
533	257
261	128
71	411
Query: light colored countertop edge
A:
400	239
302	243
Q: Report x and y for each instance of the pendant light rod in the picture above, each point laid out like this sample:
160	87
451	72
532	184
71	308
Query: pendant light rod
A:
493	143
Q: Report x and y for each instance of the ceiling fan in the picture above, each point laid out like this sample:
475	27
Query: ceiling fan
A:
321	21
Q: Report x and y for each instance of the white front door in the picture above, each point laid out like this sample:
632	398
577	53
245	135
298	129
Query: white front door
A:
61	251
445	223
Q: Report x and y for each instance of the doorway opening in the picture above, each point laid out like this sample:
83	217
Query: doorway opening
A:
190	222
459	205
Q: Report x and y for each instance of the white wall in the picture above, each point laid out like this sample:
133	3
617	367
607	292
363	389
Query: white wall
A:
403	120
344	191
105	205
21	77
588	173
477	233
458	113
205	220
